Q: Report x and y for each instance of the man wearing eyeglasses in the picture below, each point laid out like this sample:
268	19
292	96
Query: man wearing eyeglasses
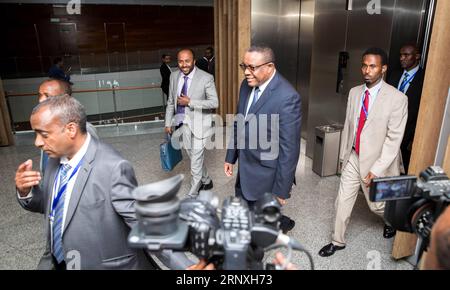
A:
265	97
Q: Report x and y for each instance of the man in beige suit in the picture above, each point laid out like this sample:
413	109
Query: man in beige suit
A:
192	98
370	144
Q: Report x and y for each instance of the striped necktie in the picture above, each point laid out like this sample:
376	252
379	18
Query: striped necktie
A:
58	213
404	82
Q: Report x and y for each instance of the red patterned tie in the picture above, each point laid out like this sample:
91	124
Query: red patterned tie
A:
362	120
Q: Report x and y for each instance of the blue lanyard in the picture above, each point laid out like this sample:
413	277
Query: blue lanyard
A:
63	188
404	84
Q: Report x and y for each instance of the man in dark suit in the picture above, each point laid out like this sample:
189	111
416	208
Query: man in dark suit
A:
85	194
208	62
409	81
165	73
265	98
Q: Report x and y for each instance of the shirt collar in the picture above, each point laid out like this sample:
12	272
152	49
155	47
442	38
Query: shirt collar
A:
79	155
412	71
374	90
266	83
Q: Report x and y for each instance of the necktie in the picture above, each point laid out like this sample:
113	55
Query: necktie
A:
58	215
255	99
180	109
362	120
404	82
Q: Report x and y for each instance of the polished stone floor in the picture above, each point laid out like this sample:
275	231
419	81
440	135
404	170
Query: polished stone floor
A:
311	205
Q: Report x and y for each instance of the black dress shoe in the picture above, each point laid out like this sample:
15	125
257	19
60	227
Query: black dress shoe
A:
286	224
206	186
388	232
329	250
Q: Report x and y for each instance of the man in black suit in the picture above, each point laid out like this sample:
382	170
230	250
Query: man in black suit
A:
208	62
165	73
410	82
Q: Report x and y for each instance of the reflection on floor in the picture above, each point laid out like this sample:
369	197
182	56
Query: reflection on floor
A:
311	205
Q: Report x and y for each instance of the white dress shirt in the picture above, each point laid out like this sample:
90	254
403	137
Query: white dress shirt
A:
181	81
373	93
261	91
73	163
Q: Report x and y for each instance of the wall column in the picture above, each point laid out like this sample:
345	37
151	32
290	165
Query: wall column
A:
232	21
431	112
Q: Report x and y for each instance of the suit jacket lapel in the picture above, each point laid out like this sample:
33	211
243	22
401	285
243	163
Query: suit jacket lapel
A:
80	182
194	83
266	95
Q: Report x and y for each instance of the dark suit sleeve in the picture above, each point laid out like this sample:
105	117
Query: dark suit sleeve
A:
36	203
123	182
289	145
232	151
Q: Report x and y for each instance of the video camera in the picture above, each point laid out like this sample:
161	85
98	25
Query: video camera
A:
413	205
237	241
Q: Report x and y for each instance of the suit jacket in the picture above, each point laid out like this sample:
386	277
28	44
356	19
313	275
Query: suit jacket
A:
382	133
414	94
203	95
100	214
257	173
165	76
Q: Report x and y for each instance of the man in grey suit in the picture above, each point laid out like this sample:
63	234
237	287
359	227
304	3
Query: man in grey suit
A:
265	95
85	194
192	99
370	144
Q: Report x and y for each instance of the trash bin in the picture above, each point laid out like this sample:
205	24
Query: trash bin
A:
326	149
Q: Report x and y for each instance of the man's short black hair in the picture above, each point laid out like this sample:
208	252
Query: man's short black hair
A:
164	56
413	45
377	51
210	48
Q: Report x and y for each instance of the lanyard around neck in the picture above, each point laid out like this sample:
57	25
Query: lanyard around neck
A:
63	188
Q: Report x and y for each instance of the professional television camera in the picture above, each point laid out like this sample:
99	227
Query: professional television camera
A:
413	205
236	241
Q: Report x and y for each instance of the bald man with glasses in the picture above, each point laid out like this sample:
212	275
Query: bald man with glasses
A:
266	98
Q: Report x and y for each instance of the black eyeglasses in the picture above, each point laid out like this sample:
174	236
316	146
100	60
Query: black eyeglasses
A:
251	67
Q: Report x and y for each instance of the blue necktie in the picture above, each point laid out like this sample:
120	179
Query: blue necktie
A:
180	109
404	82
58	215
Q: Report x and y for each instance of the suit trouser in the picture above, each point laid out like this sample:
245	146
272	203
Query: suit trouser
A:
195	148
349	187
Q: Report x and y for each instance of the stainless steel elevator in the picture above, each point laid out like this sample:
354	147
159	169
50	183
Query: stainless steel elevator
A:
319	44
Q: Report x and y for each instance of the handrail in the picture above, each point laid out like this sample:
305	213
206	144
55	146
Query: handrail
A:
157	86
